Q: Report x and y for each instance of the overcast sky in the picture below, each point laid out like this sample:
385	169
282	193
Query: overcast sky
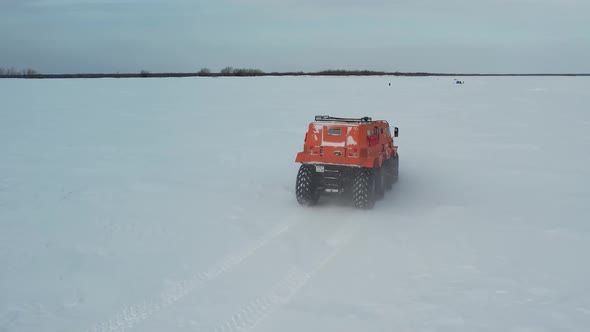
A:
492	36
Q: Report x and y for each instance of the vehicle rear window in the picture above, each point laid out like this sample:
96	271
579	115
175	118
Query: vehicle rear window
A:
334	131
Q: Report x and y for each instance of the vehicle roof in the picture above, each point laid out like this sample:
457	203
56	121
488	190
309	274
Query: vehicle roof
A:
339	123
347	123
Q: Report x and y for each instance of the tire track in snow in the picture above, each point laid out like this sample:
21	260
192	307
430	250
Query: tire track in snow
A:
282	292
132	315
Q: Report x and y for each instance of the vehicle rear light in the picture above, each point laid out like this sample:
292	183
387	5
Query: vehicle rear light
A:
352	152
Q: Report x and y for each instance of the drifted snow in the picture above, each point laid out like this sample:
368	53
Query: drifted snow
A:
317	132
163	205
350	140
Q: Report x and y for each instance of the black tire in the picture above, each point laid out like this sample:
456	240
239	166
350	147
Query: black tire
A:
388	166
395	160
379	182
363	188
306	186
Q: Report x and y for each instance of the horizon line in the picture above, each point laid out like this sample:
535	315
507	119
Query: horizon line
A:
257	73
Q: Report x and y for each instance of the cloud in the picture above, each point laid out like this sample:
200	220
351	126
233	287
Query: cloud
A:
17	7
50	3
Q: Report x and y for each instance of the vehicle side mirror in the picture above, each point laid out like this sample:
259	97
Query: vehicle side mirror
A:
395	132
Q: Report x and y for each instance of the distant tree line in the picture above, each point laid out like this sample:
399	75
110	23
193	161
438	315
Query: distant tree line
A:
230	71
11	72
244	72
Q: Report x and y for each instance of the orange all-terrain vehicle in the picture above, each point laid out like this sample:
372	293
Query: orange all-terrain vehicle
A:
345	155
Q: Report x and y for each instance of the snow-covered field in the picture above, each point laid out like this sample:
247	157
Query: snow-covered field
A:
168	205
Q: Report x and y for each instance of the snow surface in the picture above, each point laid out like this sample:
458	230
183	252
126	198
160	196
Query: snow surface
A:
168	205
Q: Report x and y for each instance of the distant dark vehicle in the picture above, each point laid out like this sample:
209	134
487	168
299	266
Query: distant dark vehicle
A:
459	82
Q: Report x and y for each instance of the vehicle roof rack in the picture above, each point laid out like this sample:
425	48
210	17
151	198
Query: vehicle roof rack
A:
364	119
